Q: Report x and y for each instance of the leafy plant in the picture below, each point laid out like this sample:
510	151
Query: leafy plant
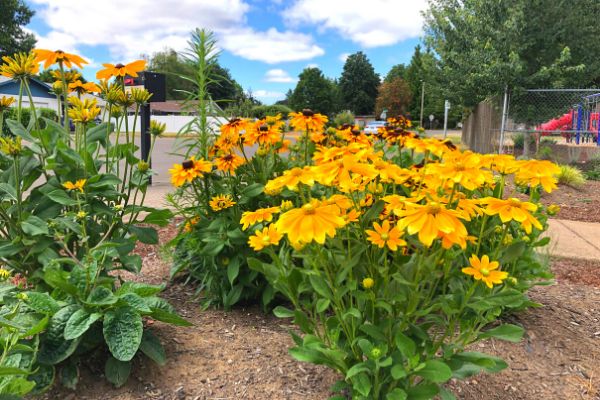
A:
42	112
519	141
344	117
571	176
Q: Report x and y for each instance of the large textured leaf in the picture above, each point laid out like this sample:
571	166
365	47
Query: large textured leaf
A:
159	302
80	322
152	347
101	296
145	290
136	302
117	371
34	226
42	303
123	332
163	316
69	375
43	378
54	346
144	235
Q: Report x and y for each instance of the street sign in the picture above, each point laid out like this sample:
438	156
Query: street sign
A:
385	111
447	104
431	118
383	115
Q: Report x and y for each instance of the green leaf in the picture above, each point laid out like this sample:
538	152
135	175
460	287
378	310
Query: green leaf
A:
80	322
504	298
136	302
253	190
282	312
309	355
42	303
7	371
423	392
542	242
500	365
132	263
61	197
117	371
101	296
43	378
157	302
69	375
435	371
17	387
233	269
396	394
446	394
474	357
19	130
339	385
144	234
362	383
145	290
507	332
166	317
512	252
34	324
357	369
123	332
54	347
374	331
374	211
398	371
405	345
54	279
152	347
255	265
34	226
9	250
8	192
321	286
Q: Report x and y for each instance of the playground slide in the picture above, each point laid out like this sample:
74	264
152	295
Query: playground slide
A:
561	124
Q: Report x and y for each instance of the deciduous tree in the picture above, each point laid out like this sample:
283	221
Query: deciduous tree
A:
14	14
395	97
313	91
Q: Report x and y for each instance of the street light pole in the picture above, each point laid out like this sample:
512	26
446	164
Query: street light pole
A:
422	101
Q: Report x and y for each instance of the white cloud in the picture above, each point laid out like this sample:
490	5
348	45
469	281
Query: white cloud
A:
342	57
278	75
312	65
387	22
147	26
267	93
272	46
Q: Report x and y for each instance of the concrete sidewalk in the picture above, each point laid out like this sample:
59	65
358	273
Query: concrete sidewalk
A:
574	239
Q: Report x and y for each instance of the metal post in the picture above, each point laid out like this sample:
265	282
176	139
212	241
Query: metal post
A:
578	124
504	112
598	126
446	108
145	139
422	102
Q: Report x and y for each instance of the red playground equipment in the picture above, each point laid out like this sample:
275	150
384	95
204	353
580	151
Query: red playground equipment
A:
564	125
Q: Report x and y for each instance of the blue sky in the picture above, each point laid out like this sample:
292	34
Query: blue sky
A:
265	43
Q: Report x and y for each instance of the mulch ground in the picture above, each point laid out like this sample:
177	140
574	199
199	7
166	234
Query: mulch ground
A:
244	354
576	203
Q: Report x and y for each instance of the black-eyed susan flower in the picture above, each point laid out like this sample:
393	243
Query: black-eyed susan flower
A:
263	134
70	76
384	236
120	70
484	270
221	202
512	209
22	66
272	192
83	88
464	169
157	128
189	170
286	205
553	209
428	220
140	96
260	215
49	57
234	126
308	120
5	103
229	162
310	222
11	147
74	186
292	178
269	236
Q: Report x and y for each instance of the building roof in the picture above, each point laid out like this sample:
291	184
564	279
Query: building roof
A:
38	89
174	106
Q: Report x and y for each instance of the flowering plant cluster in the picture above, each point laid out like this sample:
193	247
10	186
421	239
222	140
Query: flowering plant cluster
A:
71	207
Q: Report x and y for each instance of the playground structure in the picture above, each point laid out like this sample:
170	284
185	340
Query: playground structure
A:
579	125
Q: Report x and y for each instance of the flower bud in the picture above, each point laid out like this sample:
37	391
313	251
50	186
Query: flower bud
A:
81	215
553	209
262	151
526	239
143	166
498	230
286	205
225	261
368	283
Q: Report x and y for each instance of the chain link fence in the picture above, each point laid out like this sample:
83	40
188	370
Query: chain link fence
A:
558	125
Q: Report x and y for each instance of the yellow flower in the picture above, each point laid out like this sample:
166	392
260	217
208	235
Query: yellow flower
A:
11	147
4	273
70	76
308	120
5	103
234	126
553	209
484	270
337	202
22	66
341	169
22	296
140	96
513	209
430	219
349	216
268	237
143	166
81	215
157	128
123	99
464	169
292	178
121	70
272	192
286	205
190	224
548	182
260	215
263	134
384	236
83	88
58	56
434	146
311	222
78	185
229	163
368	283
221	202
84	115
188	171
298	246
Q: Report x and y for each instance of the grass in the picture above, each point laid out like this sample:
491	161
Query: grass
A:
570	176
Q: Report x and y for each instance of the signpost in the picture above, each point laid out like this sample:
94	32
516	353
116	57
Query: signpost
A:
154	83
383	115
431	117
446	108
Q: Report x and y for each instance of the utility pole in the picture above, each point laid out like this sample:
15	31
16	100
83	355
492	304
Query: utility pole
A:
422	102
446	108
504	114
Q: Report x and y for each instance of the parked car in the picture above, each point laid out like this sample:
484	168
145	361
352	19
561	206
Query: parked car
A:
372	127
71	124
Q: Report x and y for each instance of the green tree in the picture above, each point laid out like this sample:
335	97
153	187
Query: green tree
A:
415	75
398	70
485	45
225	88
285	102
13	39
168	62
313	91
359	84
337	104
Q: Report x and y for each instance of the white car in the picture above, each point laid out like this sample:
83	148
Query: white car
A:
372	127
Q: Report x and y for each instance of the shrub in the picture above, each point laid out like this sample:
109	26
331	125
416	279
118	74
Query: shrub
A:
44	112
571	176
272	111
344	117
519	141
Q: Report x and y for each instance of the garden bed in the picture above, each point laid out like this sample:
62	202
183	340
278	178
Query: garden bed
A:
576	203
244	354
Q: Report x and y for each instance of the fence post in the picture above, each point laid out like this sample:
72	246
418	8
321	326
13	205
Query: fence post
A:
504	111
578	123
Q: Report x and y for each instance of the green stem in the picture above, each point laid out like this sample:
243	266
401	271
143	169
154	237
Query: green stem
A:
18	187
20	103
481	234
66	94
501	240
423	174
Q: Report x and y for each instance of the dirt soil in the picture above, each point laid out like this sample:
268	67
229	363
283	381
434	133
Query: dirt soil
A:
576	203
244	354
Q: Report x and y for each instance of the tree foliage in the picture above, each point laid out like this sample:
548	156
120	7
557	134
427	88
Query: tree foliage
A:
313	91
398	70
395	97
13	39
358	84
46	76
485	45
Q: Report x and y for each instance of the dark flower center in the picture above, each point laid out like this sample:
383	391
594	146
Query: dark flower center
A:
187	164
356	132
234	120
345	126
119	65
308	112
450	145
59	51
228	157
263	128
